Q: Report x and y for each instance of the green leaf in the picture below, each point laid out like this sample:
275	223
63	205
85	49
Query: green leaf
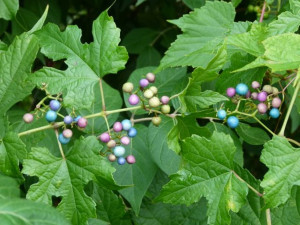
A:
235	3
12	150
192	4
15	64
8	9
208	171
137	40
148	57
204	31
66	178
40	22
192	98
9	188
287	22
295	6
281	53
282	159
252	135
87	63
24	212
131	174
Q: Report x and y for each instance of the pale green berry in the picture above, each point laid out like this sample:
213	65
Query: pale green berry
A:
111	144
156	120
127	87
275	91
154	102
268	89
148	94
154	89
165	109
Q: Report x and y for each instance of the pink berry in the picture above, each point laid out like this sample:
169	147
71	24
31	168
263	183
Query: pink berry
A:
118	127
165	100
105	137
230	92
248	95
255	84
150	77
276	102
130	159
262	96
254	95
111	143
144	83
28	117
262	108
112	157
67	133
82	122
133	99
125	140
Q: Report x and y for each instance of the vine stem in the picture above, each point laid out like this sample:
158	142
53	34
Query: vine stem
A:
59	145
262	12
268	216
281	133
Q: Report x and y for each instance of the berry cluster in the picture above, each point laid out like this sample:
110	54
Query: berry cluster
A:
265	98
120	135
148	97
51	116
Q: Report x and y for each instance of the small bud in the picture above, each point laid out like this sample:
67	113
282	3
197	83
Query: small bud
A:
150	77
156	120
127	87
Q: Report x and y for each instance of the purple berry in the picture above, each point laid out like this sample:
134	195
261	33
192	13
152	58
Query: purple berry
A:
133	99
254	95
230	92
125	140
118	127
130	159
262	108
248	95
255	84
105	137
165	100
262	96
82	122
68	119
54	105
144	83
67	133
150	77
276	102
28	117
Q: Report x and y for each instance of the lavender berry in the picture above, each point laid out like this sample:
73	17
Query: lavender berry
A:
82	122
105	137
133	99
117	127
130	159
28	117
230	92
254	95
262	108
276	102
255	84
68	119
262	96
121	161
54	105
144	83
164	100
150	77
125	140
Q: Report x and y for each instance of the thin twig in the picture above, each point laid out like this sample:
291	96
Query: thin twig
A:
263	12
59	145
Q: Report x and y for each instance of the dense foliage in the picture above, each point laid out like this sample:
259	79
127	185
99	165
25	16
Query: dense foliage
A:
149	112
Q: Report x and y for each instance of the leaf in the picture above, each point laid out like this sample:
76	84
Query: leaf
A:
66	178
24	212
137	40
207	171
87	63
8	9
192	98
282	159
192	4
252	135
40	22
281	53
287	22
15	64
139	174
148	57
12	150
204	31
295	6
9	188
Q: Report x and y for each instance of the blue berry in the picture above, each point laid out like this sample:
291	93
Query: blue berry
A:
241	89
132	132
274	113
63	139
68	119
221	114
54	105
119	151
76	119
51	116
232	121
126	124
121	161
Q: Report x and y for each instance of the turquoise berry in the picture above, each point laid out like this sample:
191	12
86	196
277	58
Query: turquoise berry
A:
221	114
51	116
76	119
274	113
119	151
232	121
63	139
132	132
121	161
126	124
241	89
